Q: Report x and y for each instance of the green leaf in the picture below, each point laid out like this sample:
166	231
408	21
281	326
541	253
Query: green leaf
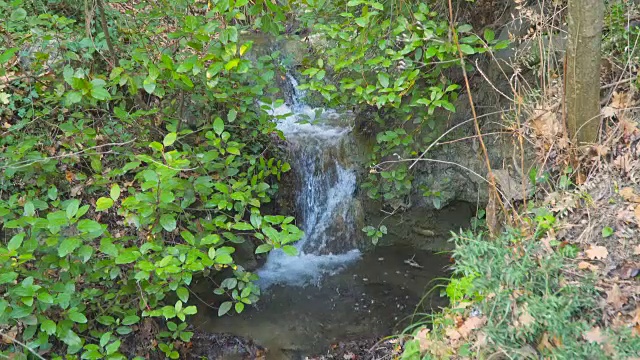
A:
242	226
218	126
169	139
190	310
77	317
233	150
231	117
92	227
8	277
168	222
290	250
113	347
362	21
224	259
224	308
263	248
239	307
383	79
67	246
8	54
18	14
103	203
73	97
115	192
45	297
467	49
72	208
100	93
48	327
183	294
128	256
149	85
607	232
130	320
489	35
212	253
70	338
29	209
107	247
52	193
465	28
15	242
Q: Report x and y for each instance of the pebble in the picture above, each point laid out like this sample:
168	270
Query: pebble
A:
380	259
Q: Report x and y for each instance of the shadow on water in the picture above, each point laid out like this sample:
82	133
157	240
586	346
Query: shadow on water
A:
373	297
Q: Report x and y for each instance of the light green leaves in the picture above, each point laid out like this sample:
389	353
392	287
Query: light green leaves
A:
68	245
218	126
383	79
77	317
183	294
127	256
168	222
103	203
48	327
72	208
15	242
489	35
18	14
115	192
467	49
169	139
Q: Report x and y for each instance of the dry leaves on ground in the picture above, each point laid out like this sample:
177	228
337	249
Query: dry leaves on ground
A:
628	194
595	335
597	252
615	297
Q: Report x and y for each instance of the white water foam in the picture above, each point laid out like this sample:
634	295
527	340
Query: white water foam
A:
325	195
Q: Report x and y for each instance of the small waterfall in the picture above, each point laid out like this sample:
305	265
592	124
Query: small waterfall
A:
324	199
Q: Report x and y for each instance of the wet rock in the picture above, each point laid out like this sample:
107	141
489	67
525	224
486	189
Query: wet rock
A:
425	232
222	347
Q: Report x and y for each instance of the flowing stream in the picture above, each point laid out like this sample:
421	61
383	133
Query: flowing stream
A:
331	291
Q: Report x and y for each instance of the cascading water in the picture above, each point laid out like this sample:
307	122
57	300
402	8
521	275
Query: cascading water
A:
325	195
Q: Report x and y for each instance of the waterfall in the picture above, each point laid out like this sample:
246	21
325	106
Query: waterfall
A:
324	195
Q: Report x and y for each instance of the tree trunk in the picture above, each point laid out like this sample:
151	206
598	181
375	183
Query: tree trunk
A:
583	70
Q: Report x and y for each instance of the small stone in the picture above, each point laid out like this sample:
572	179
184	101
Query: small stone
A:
380	259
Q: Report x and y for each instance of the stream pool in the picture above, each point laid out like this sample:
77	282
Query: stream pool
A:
370	298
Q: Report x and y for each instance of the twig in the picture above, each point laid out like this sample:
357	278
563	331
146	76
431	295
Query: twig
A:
25	163
23	345
105	30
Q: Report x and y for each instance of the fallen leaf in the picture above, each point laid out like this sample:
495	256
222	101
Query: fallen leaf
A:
424	342
622	100
544	343
595	335
636	212
453	334
10	335
615	297
636	250
597	252
525	319
629	270
583	265
545	124
636	316
608	112
628	194
471	324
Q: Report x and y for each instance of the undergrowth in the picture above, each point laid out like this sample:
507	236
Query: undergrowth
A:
513	298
